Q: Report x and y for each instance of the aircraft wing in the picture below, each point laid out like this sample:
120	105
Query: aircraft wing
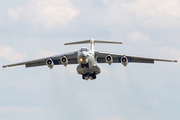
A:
72	59
117	58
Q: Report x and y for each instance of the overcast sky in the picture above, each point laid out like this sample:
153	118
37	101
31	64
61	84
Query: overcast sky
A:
31	29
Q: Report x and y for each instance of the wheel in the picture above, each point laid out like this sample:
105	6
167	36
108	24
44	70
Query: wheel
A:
82	65
94	75
83	77
87	65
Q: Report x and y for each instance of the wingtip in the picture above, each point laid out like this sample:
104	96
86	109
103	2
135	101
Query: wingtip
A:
4	66
176	61
120	42
64	43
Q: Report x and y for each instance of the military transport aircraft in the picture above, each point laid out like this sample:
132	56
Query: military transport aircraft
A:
87	59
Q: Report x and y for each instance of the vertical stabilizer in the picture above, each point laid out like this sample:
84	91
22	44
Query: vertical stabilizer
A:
92	45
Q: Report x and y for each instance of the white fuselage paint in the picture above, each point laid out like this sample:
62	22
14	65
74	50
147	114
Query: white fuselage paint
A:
86	56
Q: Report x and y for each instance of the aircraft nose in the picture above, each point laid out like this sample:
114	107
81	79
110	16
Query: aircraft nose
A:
83	58
83	54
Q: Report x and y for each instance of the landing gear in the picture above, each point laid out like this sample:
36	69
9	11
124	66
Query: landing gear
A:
83	77
94	75
85	65
89	76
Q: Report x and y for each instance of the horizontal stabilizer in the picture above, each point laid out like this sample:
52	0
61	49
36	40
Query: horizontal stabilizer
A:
92	41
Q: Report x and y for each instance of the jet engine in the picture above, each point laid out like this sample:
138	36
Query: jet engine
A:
124	61
50	63
64	61
109	59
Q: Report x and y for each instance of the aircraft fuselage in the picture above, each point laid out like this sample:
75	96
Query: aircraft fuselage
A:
87	64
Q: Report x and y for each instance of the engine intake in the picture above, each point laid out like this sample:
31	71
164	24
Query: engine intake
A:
64	60
109	59
50	63
124	61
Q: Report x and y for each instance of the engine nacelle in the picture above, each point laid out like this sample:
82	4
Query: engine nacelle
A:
109	59
64	61
50	63
124	61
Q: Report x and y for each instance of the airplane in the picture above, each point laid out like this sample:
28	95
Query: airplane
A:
87	59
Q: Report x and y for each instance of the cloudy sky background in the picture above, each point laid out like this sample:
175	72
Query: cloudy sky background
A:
32	29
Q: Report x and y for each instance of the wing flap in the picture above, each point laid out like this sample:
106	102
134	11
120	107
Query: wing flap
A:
102	60
34	64
141	60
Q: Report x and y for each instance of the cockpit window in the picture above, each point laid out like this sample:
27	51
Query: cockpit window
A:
84	49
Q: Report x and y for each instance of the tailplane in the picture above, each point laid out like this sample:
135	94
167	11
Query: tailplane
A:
92	41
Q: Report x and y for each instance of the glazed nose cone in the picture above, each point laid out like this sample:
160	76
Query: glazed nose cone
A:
83	54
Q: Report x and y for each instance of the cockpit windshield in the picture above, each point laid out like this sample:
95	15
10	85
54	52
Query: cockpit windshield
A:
84	49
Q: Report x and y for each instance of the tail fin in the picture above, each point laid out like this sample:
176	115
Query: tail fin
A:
92	42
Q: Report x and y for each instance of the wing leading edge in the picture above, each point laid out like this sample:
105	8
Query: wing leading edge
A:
117	58
72	59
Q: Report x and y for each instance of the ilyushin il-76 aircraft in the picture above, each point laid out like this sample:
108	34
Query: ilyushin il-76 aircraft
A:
87	59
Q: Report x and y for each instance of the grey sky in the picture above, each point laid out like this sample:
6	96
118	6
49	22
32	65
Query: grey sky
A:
32	29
